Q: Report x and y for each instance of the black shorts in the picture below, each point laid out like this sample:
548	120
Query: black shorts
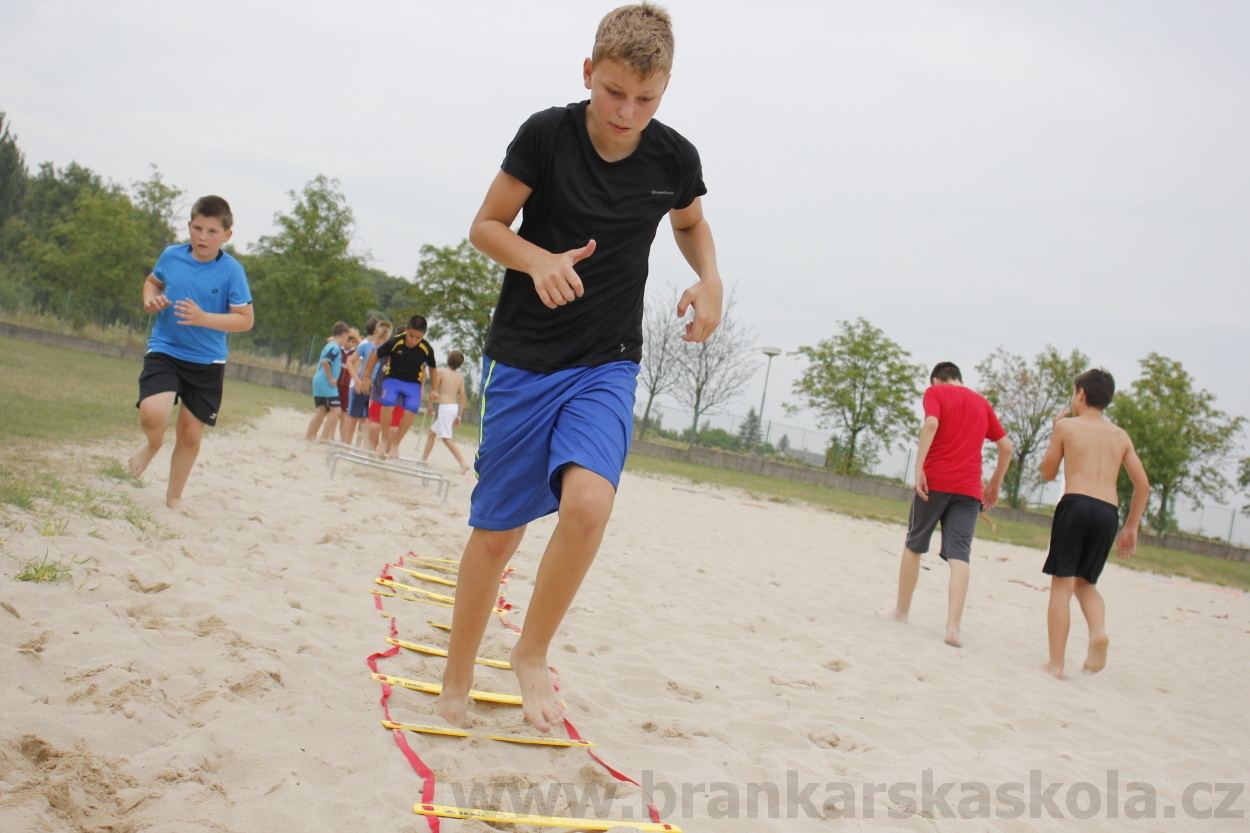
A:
331	402
1081	536
958	516
197	386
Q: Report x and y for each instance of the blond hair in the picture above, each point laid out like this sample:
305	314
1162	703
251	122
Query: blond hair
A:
639	37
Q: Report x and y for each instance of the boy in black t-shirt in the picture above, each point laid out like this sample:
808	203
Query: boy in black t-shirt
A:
407	356
561	361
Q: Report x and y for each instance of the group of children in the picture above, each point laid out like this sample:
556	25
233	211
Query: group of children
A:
382	380
591	181
949	492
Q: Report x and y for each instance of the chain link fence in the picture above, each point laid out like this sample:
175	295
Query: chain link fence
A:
1224	524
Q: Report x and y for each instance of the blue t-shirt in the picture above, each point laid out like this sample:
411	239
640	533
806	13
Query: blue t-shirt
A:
214	287
322	386
366	347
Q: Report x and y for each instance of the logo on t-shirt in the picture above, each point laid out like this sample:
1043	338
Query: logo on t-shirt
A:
664	193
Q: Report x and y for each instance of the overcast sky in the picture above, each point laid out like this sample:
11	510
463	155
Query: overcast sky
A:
964	175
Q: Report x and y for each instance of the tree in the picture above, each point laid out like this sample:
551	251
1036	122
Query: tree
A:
156	199
92	263
863	386
456	289
51	195
718	438
711	374
1243	480
306	275
661	349
50	198
750	433
1027	397
1183	440
386	289
13	176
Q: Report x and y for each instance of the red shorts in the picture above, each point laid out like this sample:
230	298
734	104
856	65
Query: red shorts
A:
375	414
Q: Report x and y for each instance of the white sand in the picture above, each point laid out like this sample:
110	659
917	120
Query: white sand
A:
215	681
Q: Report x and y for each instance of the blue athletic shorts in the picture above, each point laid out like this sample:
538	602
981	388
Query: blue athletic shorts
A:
357	404
535	424
393	390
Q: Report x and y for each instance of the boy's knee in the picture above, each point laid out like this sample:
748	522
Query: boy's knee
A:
586	498
498	544
153	422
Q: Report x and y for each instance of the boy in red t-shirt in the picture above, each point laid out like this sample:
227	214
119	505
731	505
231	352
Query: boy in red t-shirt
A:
957	422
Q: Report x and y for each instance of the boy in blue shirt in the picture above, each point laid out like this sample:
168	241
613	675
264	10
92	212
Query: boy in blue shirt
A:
325	384
561	360
198	293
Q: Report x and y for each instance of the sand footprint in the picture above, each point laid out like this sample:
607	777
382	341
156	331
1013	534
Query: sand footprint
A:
688	694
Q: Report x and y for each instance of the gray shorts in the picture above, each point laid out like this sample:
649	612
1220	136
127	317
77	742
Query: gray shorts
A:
958	516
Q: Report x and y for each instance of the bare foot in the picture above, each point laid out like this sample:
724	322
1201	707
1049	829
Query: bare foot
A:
138	462
539	701
952	638
893	613
1096	659
454	708
1057	673
176	504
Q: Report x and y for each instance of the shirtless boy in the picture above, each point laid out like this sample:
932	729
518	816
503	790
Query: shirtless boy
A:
1084	528
449	394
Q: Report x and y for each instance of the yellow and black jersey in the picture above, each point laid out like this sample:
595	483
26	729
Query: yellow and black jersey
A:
407	364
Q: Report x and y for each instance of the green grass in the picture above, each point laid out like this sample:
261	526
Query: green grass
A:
43	570
1152	559
116	470
59	395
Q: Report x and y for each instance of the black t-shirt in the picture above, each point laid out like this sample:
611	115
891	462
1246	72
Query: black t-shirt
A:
578	196
407	364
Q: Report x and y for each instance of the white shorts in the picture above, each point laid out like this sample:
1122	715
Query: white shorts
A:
446	420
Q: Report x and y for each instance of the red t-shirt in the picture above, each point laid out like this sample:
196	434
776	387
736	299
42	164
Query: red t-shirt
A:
965	421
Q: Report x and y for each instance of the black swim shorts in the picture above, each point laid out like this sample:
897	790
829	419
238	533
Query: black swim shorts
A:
958	516
197	386
1081	536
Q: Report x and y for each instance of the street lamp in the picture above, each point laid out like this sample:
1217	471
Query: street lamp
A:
770	352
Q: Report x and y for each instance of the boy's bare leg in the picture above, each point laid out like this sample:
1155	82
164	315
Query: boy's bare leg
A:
349	429
331	423
375	436
189	432
405	422
585	507
314	424
455	451
1058	622
908	575
153	419
1095	611
385	433
477	587
429	445
956	595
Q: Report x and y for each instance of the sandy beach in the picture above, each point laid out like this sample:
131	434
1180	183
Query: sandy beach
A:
210	675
